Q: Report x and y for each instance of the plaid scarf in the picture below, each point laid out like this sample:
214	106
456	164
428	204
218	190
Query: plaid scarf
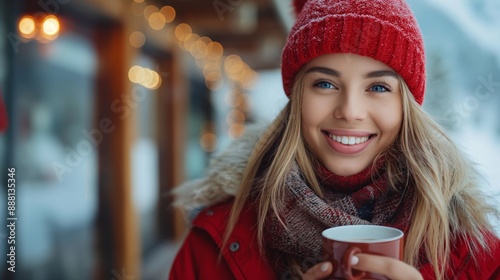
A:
364	198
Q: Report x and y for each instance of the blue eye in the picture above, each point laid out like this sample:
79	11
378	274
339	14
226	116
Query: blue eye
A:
378	88
326	85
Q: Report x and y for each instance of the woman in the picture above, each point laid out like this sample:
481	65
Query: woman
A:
352	146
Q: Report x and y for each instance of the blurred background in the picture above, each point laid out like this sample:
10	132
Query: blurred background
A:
113	103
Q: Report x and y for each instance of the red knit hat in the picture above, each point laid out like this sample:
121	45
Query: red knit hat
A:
385	30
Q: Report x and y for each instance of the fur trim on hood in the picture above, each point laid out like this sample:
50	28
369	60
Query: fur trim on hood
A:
223	174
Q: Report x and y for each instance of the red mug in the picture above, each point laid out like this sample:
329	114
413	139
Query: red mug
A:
342	242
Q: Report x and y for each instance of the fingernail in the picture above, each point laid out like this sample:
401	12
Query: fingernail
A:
324	267
354	260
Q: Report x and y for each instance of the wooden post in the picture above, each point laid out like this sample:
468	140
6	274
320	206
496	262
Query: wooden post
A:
172	108
119	234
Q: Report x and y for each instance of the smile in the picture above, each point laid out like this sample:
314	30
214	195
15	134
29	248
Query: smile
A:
348	140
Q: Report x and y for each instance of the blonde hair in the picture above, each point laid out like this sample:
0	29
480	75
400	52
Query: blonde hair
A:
448	202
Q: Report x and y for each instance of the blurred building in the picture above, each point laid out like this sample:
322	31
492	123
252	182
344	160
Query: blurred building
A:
110	106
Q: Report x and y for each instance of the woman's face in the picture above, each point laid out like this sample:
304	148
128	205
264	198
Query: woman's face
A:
351	110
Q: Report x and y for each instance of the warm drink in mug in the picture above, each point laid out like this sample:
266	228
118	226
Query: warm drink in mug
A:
342	242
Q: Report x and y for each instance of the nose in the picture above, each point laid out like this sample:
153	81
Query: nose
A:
350	107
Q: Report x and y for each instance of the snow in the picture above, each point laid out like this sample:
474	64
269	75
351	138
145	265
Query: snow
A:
478	19
485	153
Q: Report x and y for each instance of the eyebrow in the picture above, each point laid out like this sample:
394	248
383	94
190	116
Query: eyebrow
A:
335	73
324	70
381	73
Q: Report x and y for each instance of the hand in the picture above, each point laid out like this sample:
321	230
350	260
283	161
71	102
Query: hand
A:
319	271
391	268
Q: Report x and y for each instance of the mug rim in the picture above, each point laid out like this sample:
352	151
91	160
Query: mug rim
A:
398	234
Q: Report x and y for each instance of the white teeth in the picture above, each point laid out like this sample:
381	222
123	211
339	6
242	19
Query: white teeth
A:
348	140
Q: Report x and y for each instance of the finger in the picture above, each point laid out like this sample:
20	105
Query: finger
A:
319	271
391	268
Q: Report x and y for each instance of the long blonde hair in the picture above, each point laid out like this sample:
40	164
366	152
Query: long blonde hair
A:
448	202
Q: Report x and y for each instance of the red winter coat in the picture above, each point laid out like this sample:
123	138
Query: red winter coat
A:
198	258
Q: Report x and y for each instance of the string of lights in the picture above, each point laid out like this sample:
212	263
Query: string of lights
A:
217	68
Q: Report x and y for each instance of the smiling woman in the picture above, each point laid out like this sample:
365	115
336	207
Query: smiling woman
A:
349	116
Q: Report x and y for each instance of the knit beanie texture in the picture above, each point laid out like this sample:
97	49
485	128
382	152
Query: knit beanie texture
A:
385	30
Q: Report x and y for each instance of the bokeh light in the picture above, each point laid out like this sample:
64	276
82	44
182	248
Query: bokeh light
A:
50	27
156	21
137	39
215	50
27	27
189	40
235	116
149	10
168	13
236	130
145	77
208	141
182	31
